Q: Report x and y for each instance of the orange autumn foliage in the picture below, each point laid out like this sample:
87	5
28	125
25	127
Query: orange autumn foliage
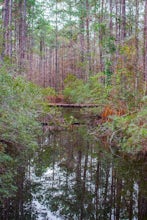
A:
110	111
55	99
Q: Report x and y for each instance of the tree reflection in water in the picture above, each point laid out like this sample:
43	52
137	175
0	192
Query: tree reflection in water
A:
72	177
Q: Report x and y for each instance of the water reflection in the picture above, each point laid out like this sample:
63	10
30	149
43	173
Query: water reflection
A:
72	177
79	180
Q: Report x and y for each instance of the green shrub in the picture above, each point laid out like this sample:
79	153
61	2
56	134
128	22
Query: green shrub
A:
20	108
77	91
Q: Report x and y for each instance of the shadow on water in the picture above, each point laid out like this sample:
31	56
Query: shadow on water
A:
72	177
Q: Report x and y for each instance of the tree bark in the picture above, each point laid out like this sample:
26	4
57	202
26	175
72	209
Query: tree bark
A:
82	40
88	54
22	33
123	17
6	23
145	46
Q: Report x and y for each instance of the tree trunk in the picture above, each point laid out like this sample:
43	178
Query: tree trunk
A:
145	46
123	17
82	43
88	54
22	33
110	23
136	47
6	18
56	52
100	38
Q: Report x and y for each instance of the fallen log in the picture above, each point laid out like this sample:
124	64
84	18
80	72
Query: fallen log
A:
66	105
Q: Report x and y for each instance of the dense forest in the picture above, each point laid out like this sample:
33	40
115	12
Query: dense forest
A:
84	52
48	40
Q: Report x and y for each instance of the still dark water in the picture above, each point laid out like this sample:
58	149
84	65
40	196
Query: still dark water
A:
72	177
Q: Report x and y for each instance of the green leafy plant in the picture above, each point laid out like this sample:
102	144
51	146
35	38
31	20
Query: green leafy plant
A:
77	91
20	108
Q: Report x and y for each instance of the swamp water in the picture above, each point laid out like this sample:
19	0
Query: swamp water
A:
72	177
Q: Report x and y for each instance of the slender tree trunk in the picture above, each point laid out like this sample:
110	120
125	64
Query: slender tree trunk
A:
62	68
82	40
123	18
31	59
145	46
116	33
88	54
41	62
111	23
44	66
137	47
6	22
56	52
122	38
22	33
117	21
10	29
100	38
16	36
50	67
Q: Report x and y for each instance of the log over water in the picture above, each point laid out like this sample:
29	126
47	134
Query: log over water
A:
65	105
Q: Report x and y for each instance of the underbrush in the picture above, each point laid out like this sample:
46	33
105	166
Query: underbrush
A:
122	110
